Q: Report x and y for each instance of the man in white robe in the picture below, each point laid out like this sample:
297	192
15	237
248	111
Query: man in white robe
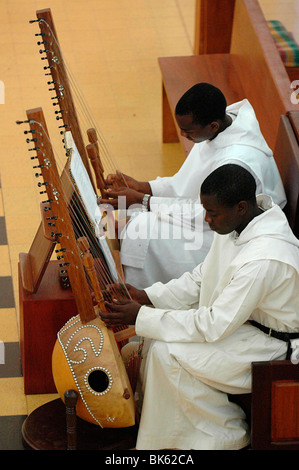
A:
172	236
201	339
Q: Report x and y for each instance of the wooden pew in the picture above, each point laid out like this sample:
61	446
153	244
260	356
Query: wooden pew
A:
286	154
275	385
251	68
275	406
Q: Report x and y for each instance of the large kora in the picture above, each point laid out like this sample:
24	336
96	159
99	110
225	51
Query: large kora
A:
86	358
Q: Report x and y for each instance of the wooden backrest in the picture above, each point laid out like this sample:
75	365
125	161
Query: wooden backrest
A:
275	406
286	154
260	68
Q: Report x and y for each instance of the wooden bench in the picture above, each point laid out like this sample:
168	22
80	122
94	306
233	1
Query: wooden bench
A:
286	154
241	60
275	406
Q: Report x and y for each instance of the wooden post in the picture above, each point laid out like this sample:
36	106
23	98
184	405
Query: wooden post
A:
213	26
71	397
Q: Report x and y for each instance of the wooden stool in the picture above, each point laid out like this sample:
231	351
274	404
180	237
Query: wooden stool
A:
54	426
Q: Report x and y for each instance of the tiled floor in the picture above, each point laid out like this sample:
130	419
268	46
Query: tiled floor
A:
112	47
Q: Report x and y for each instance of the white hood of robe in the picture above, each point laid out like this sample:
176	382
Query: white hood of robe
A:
244	130
273	235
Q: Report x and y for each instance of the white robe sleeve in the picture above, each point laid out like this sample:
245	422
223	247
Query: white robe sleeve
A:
232	308
185	181
179	293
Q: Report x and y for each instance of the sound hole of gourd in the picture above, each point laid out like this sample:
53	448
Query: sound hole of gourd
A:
98	380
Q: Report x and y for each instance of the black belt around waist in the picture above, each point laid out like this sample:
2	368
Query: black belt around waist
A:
283	336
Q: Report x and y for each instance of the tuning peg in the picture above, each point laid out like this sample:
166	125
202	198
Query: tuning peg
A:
31	131
31	140
53	234
61	249
30	121
33	21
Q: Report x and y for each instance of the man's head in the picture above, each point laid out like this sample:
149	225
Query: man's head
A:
200	112
228	197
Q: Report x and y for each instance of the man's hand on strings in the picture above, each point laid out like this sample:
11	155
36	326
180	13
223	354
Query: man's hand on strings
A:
119	180
120	312
131	197
114	292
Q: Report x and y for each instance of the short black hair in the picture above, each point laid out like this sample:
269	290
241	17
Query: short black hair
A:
205	102
230	184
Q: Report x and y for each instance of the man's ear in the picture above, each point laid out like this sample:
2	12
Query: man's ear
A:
242	207
215	126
